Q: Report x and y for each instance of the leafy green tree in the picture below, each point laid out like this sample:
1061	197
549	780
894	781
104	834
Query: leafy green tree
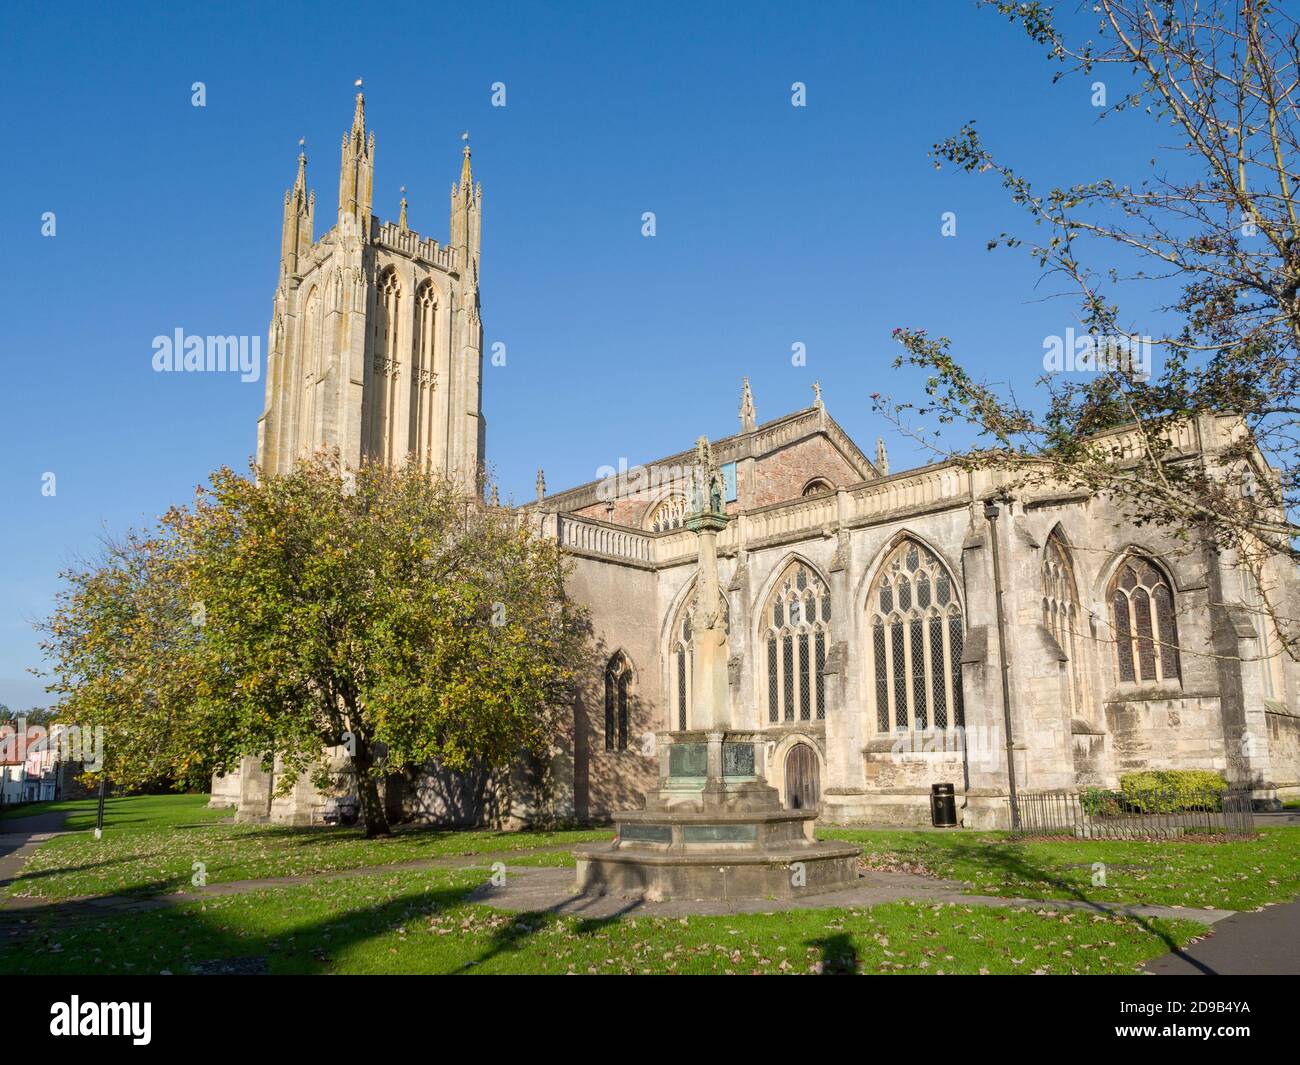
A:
374	610
123	655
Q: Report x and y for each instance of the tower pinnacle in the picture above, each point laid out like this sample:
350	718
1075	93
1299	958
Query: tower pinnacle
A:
748	414
297	229
357	169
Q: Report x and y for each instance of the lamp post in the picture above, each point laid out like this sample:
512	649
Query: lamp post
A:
99	816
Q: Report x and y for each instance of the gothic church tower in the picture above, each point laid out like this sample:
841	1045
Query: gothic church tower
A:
375	345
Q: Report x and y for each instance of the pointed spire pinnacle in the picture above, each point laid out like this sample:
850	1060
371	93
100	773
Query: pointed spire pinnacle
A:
359	115
882	457
748	414
541	486
466	178
301	182
401	217
817	394
496	498
356	170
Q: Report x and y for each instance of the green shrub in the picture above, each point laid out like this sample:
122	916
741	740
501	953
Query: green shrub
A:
1098	802
1171	791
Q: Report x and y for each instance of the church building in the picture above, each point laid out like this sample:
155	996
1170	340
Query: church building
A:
888	630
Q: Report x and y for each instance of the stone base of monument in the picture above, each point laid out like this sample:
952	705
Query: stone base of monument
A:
714	835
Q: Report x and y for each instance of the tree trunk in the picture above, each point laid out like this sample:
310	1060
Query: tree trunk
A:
373	815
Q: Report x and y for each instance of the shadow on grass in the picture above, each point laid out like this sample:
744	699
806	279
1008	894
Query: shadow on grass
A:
530	923
181	941
1010	860
839	955
1013	861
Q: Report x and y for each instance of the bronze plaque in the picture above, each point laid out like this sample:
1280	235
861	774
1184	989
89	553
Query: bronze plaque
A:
719	833
688	760
737	759
645	834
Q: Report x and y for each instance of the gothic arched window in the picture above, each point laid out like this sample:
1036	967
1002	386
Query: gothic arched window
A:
795	634
668	513
1061	616
681	658
422	374
618	683
916	642
1142	612
818	486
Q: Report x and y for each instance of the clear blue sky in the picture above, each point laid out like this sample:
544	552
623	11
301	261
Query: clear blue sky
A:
776	225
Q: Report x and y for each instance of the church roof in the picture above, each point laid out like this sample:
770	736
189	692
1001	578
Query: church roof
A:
762	440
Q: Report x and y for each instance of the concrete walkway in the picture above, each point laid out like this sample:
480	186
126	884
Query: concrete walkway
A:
19	836
552	891
534	889
1263	943
23	906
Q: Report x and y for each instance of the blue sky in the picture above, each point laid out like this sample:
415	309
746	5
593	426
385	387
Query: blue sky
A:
776	225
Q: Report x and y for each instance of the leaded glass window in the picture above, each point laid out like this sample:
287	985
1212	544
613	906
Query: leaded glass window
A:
796	627
1061	618
1146	633
916	641
668	513
618	683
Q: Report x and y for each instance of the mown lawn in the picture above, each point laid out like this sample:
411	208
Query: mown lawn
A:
151	843
420	923
135	811
1238	875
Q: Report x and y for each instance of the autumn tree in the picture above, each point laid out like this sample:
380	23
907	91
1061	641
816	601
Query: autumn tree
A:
374	610
1201	258
122	652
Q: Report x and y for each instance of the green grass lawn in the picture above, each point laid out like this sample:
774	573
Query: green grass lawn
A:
151	843
1235	876
420	923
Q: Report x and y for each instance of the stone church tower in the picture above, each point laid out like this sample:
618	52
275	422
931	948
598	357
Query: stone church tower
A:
375	344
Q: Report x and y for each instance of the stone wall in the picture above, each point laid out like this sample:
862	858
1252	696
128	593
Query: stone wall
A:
1164	733
623	604
1283	725
225	790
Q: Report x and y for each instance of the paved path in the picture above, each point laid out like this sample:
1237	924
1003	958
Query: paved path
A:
19	836
1263	943
530	888
24	907
552	890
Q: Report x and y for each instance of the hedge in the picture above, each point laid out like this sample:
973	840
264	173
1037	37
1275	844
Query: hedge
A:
1169	791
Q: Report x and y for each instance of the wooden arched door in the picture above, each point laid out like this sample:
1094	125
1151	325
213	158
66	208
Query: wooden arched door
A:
802	786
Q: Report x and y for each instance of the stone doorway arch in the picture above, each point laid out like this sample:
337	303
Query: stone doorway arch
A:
802	778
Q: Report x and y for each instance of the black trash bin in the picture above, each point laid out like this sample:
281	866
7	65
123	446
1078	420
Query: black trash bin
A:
943	806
